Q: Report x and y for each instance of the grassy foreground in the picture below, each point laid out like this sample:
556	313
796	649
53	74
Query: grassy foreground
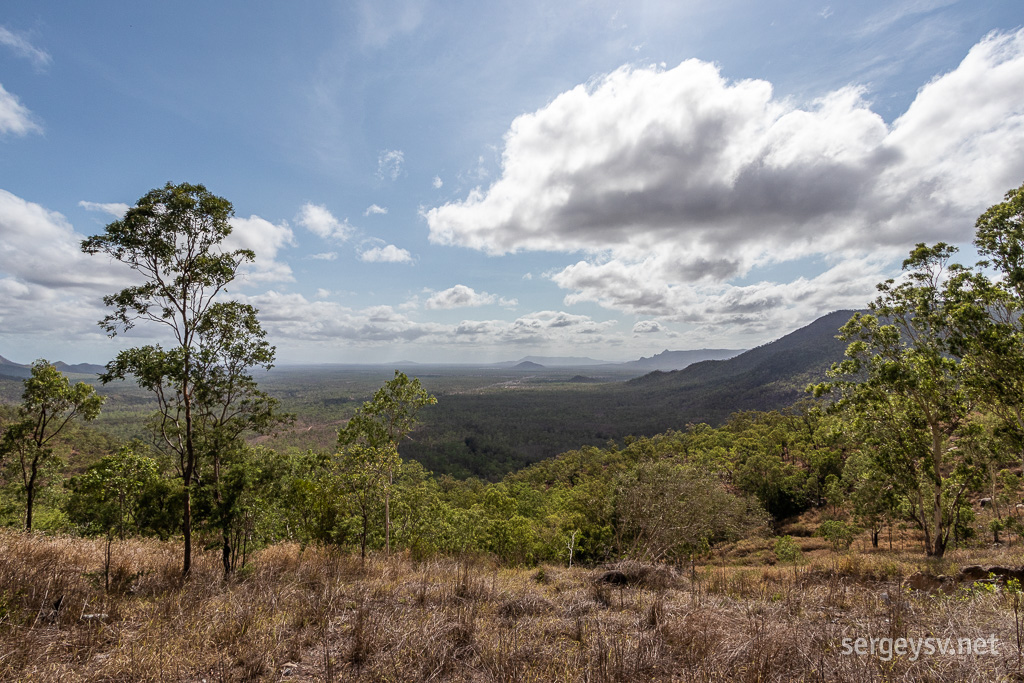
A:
314	614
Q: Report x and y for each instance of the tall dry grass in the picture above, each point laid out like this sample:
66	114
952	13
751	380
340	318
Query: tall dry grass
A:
317	614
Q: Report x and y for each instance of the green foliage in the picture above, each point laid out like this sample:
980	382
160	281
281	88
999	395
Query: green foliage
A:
369	443
838	533
874	501
108	498
173	238
49	403
786	550
904	387
389	417
669	510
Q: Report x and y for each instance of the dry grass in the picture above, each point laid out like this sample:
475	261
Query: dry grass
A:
320	615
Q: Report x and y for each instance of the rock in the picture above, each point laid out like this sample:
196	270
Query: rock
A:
928	583
972	573
1004	574
628	573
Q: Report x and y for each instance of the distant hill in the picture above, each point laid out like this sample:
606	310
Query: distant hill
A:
9	368
528	365
552	362
491	433
765	378
666	360
677	360
80	368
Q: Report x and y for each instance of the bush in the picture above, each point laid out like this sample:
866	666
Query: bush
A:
839	534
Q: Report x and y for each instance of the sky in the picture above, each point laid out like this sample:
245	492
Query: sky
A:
479	181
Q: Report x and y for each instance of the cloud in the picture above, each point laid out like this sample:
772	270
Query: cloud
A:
374	209
648	327
673	183
24	48
325	256
438	183
265	239
319	221
115	209
49	286
294	317
386	254
752	311
461	296
389	164
15	118
544	328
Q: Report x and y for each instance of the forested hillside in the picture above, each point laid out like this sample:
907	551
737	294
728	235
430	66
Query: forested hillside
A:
491	433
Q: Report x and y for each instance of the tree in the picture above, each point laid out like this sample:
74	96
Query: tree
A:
874	501
229	401
48	404
904	385
107	498
173	238
381	424
988	319
668	510
362	473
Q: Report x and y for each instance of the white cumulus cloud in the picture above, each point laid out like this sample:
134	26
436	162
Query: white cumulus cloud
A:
265	239
386	254
461	296
49	286
321	222
672	183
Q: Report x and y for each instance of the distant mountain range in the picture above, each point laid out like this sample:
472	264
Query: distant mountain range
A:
9	368
666	360
768	377
678	360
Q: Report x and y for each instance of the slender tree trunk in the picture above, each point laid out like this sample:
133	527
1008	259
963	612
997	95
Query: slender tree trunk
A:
939	542
387	516
186	528
190	463
362	546
30	493
226	554
106	562
921	516
29	499
225	523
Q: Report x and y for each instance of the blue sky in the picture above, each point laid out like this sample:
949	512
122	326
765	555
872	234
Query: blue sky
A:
466	181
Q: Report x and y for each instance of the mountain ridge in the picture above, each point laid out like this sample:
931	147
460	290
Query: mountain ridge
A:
9	368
